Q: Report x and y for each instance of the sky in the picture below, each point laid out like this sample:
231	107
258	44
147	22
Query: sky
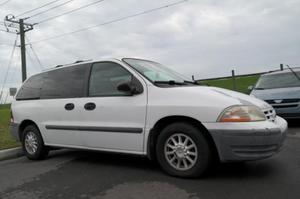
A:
204	38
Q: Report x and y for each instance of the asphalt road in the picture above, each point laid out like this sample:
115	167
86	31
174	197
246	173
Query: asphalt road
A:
77	174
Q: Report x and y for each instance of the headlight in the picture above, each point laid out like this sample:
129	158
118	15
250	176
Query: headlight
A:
242	113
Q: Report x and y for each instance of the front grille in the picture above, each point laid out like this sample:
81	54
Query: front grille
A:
270	114
285	106
284	103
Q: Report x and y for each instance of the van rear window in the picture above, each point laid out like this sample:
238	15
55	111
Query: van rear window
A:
31	88
69	82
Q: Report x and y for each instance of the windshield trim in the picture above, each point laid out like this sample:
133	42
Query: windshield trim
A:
153	82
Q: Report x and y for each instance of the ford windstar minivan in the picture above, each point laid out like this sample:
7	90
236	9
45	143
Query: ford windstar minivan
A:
281	89
141	107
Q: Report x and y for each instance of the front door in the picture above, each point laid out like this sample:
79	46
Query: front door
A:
113	120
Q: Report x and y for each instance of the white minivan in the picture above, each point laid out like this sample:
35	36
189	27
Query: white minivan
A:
141	107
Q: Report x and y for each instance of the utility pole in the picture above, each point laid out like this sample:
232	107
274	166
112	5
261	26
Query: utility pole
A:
20	27
23	49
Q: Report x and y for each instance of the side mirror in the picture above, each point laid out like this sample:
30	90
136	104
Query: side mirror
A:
250	88
124	87
128	88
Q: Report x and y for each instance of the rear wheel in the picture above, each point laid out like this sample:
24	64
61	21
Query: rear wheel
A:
33	144
183	151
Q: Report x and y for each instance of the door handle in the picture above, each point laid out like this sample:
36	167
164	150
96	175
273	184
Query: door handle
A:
69	106
90	106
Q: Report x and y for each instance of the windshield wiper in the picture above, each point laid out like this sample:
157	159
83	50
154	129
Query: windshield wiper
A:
259	88
192	82
170	82
293	72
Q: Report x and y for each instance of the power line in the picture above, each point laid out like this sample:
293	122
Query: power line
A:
111	21
52	8
35	54
34	9
7	25
7	32
31	59
69	12
5	2
2	44
11	79
9	65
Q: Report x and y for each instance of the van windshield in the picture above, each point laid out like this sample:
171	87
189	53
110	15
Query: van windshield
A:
157	73
282	80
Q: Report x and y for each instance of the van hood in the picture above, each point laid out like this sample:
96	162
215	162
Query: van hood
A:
242	98
277	93
210	97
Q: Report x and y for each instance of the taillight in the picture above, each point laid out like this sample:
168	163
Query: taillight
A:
11	117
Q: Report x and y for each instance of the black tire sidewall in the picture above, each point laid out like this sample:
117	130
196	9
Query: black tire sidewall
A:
203	149
41	149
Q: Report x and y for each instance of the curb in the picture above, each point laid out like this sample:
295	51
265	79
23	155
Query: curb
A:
11	153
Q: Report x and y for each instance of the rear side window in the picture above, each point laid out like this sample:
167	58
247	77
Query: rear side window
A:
31	88
105	78
69	82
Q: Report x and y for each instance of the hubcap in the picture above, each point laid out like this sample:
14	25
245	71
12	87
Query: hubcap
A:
31	143
181	151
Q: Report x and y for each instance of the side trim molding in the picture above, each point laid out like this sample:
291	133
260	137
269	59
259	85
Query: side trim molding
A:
95	128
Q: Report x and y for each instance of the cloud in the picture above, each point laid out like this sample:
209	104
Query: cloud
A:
204	38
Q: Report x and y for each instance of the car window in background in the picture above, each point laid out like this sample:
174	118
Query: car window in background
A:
282	80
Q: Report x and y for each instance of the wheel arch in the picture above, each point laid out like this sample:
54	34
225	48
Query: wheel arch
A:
165	121
23	125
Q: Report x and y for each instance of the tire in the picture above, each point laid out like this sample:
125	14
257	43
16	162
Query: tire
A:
195	156
33	144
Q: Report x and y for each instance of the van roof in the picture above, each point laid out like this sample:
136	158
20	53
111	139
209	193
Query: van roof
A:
83	62
79	62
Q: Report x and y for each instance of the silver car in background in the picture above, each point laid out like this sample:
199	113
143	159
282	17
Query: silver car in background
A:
281	89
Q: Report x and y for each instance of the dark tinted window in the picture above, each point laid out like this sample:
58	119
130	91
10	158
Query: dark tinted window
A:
105	78
31	88
69	82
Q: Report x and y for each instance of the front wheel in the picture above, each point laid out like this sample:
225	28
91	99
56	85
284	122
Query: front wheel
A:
183	151
33	144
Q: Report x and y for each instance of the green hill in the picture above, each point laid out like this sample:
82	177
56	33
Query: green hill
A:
242	83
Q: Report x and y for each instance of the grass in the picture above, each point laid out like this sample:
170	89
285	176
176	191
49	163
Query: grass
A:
242	83
6	140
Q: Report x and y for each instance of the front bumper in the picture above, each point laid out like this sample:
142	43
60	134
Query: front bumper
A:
14	130
248	141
